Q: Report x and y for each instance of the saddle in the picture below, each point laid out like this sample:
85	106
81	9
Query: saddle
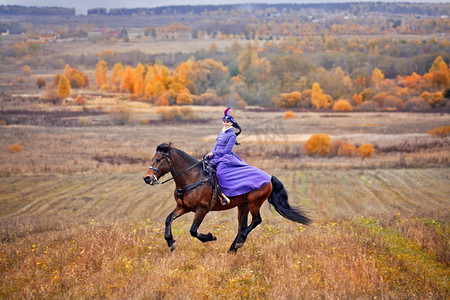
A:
209	168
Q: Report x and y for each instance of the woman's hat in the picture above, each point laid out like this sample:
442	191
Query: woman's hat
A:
228	117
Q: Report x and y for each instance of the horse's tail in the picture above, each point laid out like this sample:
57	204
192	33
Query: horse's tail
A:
279	199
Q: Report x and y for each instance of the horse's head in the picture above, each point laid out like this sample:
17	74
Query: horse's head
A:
160	165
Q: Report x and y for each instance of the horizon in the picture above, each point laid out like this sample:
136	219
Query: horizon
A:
82	6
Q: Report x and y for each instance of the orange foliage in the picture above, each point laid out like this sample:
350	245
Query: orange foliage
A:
76	78
441	131
346	149
366	150
357	99
128	80
63	87
26	70
184	98
433	99
100	73
80	100
139	81
14	148
342	105
289	115
286	100
318	98
319	144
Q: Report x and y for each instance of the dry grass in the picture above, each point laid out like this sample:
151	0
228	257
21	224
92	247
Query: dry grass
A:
77	220
110	258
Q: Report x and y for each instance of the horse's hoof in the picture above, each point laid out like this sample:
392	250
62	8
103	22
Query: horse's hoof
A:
213	237
239	245
232	251
173	247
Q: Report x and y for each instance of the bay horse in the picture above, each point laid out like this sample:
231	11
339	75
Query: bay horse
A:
194	193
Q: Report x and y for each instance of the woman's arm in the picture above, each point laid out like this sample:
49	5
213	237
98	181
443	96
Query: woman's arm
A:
228	148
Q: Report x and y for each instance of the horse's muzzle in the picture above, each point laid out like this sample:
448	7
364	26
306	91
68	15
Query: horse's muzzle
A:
151	180
147	179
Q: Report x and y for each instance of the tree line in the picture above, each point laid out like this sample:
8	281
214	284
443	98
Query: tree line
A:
255	78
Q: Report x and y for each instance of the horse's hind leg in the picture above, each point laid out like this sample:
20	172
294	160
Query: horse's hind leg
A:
200	214
242	237
243	220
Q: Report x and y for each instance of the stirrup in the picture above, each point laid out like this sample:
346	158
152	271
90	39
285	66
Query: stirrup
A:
225	199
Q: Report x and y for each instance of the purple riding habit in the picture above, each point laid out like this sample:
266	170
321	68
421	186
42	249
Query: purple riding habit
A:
235	177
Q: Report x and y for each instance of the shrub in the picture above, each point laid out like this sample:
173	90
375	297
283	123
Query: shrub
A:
40	82
416	104
26	70
319	144
184	99
368	106
335	145
175	113
392	103
347	149
289	115
80	100
342	105
441	131
121	115
14	148
51	95
366	150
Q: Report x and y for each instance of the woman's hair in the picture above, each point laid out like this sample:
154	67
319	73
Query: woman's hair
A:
236	125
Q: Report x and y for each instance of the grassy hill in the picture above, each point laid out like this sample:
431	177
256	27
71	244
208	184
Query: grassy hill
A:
377	233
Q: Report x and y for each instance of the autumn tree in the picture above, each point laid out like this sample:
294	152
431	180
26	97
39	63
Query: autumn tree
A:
440	76
319	144
288	100
40	82
139	81
76	78
365	150
128	80
63	87
318	98
342	105
184	98
101	76
26	70
116	76
377	77
209	73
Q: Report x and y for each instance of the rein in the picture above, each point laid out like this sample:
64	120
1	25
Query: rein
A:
181	191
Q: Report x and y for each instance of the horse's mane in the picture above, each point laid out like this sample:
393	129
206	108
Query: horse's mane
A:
166	147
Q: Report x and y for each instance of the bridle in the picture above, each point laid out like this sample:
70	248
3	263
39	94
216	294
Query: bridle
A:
166	157
183	190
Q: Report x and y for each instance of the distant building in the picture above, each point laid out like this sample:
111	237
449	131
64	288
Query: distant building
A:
96	34
47	35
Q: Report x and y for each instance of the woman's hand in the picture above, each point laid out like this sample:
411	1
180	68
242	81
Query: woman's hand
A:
210	154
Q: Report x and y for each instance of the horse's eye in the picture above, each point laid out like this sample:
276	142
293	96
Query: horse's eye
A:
158	160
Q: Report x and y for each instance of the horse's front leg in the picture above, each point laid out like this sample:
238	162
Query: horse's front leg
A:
200	214
177	212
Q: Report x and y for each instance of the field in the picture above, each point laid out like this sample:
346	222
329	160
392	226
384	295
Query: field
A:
78	221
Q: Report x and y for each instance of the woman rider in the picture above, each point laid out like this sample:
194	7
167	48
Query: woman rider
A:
235	177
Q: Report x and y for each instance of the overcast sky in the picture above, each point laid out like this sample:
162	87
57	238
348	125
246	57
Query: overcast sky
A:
82	6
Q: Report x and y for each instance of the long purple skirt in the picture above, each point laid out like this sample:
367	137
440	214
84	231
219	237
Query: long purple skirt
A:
236	177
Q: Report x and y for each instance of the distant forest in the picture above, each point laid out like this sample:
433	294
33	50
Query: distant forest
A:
355	8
